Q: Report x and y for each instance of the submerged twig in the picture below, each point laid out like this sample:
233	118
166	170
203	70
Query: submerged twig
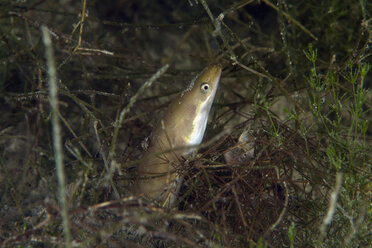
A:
119	122
217	25
331	208
291	19
57	140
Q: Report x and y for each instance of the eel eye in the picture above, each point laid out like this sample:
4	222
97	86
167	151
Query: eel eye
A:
204	87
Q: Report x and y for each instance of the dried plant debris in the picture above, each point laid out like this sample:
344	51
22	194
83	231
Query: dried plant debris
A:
286	157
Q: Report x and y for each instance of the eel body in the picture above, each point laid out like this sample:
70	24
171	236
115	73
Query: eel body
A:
176	136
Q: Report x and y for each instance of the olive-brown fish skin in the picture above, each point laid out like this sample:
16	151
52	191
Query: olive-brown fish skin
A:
182	125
